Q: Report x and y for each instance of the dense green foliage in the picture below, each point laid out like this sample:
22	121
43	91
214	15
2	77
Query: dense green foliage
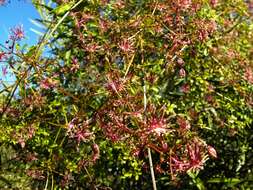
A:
122	77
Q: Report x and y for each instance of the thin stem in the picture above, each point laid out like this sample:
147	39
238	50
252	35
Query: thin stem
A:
11	94
239	21
149	151
48	35
86	170
46	181
52	182
153	12
129	65
151	169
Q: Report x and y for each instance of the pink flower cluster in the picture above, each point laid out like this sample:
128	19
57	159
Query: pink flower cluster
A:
17	33
194	157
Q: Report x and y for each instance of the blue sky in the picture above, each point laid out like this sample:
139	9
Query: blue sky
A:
18	12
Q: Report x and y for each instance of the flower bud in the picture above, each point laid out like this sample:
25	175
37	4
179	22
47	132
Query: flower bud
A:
212	152
165	146
182	73
96	152
214	3
180	62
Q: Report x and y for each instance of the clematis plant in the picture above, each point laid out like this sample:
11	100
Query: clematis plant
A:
130	85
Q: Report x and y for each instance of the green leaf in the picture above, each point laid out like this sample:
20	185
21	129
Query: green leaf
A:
37	32
37	23
224	180
62	8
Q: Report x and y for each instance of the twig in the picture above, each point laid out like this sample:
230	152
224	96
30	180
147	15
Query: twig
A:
129	65
46	181
149	152
11	94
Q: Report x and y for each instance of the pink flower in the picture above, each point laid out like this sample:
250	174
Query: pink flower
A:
66	178
159	169
185	4
80	132
210	88
114	86
17	33
91	48
35	174
250	6
209	98
179	165
136	114
193	160
103	25
82	135
203	34
158	126
183	124
45	84
119	4
197	160
136	152
2	2
2	55
31	131
75	65
211	27
48	83
126	46
248	75
185	88
83	20
161	6
70	126
158	28
31	157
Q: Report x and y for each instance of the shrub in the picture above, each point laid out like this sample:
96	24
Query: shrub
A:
125	77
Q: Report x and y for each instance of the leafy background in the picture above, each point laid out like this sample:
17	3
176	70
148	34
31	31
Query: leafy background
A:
123	78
